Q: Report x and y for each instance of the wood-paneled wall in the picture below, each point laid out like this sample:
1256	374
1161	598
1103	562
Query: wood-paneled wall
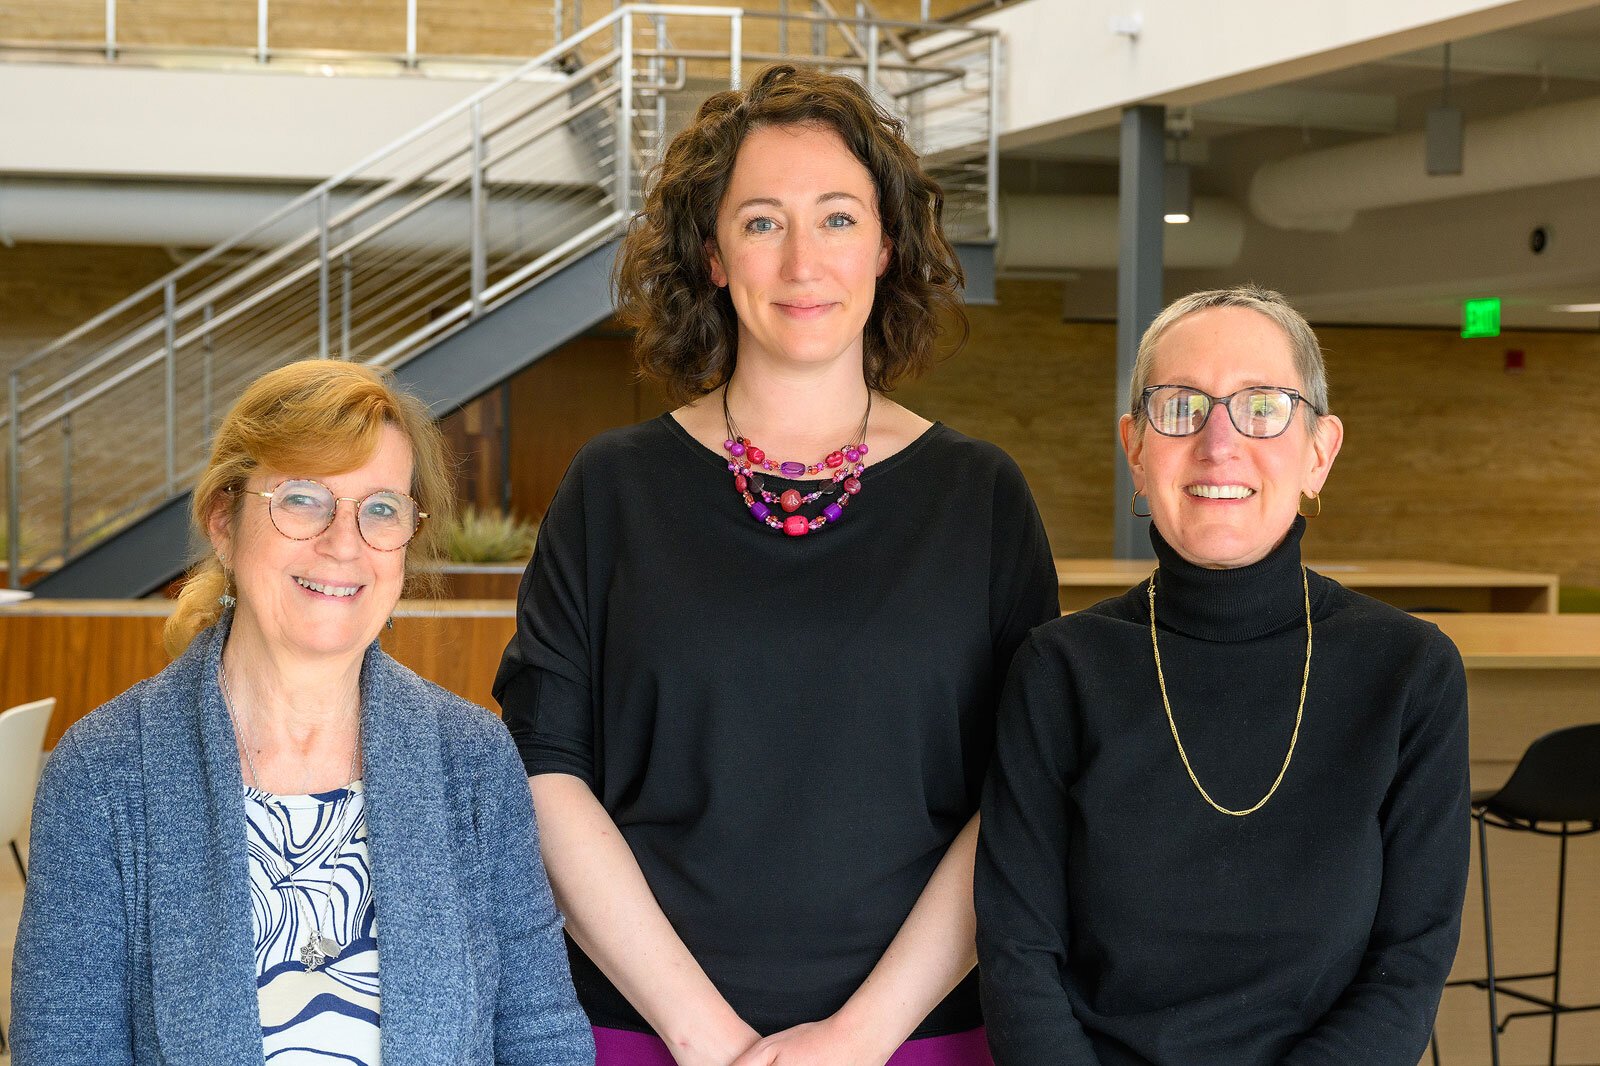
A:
48	289
87	652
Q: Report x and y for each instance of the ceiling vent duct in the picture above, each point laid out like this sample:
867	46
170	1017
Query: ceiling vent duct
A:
1324	190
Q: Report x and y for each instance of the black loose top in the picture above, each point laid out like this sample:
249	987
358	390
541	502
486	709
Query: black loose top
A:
1124	922
788	731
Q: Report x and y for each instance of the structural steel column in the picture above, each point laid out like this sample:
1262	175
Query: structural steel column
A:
1138	287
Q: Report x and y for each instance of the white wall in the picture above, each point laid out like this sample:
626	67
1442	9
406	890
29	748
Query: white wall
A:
125	121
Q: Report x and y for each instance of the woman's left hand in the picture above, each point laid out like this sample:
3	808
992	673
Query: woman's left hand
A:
826	1043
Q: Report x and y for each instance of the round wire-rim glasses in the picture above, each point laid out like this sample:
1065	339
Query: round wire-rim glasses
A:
1262	411
302	509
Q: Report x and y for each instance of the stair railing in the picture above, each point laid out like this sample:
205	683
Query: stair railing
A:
428	235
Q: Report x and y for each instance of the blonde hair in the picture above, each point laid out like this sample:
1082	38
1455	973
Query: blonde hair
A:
1302	342
312	419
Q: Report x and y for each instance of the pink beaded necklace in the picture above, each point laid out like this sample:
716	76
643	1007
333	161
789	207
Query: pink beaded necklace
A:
745	459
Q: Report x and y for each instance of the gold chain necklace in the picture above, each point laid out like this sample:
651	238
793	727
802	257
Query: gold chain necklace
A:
1299	712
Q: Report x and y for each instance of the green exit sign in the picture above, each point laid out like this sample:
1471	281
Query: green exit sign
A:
1480	318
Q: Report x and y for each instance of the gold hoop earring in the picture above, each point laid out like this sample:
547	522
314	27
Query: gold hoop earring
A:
1133	505
1315	497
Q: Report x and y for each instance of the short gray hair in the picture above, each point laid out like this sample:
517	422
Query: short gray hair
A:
1302	341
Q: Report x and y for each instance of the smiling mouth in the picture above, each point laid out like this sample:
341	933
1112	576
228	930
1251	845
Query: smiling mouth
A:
336	591
1220	492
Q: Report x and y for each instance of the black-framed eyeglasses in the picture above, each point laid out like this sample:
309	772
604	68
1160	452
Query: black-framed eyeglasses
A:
302	509
1260	411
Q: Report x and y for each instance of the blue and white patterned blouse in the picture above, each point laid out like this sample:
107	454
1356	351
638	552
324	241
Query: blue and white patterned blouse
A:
329	1015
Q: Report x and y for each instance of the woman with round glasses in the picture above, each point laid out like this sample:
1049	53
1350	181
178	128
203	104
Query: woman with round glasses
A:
286	846
1226	823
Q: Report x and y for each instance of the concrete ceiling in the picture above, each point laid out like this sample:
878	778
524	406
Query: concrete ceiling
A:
1408	264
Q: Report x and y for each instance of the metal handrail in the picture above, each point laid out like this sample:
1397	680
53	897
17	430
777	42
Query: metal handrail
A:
427	234
111	46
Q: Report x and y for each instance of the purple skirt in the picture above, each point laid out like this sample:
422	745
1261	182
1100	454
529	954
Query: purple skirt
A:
619	1047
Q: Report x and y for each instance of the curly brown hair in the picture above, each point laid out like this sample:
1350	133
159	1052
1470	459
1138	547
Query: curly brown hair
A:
685	327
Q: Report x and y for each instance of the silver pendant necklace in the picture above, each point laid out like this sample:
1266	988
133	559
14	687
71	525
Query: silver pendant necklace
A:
318	948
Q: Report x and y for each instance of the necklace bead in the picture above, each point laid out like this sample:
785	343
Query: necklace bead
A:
845	463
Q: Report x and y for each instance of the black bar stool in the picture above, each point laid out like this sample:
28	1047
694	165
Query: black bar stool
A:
1554	791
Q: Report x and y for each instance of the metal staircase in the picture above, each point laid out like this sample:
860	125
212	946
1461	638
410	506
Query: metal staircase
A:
457	256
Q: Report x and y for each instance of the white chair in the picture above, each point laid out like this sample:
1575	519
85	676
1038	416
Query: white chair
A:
22	730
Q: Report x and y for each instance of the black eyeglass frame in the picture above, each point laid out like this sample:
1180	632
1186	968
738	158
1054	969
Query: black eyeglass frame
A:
1226	402
333	515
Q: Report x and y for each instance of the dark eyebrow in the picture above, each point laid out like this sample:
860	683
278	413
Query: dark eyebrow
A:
768	201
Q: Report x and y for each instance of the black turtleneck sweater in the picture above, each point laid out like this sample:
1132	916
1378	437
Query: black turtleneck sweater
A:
1124	922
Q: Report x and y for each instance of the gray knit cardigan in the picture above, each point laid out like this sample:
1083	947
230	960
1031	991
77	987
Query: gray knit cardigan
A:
136	940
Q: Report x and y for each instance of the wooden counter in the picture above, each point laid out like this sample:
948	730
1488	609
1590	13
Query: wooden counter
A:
1409	585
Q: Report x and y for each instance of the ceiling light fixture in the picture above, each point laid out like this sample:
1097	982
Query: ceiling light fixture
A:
1577	309
1177	201
1445	132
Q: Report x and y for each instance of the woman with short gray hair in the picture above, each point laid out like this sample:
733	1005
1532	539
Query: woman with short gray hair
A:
1226	823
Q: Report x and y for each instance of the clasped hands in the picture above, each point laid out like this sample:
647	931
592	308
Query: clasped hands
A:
830	1042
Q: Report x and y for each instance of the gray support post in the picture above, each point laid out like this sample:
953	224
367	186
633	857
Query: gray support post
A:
1138	288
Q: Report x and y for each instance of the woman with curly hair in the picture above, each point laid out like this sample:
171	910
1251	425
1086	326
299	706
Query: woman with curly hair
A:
761	641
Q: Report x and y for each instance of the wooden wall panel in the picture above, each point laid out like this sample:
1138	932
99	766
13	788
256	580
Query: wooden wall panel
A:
81	661
473	434
48	289
1449	457
557	404
85	660
1041	389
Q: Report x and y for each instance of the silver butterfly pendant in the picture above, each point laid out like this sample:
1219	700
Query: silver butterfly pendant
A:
317	950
